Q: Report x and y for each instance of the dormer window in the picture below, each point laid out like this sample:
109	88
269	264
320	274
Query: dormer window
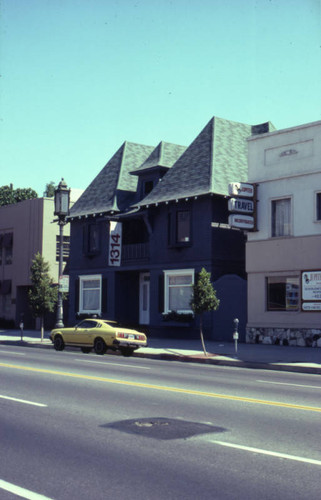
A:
148	187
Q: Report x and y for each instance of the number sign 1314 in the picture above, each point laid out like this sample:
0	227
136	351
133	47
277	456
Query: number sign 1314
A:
115	243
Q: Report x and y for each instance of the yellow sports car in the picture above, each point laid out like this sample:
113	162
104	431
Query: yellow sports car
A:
100	335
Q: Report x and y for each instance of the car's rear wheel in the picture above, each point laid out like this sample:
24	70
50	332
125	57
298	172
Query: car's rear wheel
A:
100	346
85	350
126	351
59	344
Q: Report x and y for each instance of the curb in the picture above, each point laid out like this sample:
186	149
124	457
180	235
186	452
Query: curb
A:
256	365
218	360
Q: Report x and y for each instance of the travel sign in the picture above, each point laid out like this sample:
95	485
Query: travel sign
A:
240	205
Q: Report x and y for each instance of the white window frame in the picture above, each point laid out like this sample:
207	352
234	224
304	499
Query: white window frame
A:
317	193
281	198
82	280
171	273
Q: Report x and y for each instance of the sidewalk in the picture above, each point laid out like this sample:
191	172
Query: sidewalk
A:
271	357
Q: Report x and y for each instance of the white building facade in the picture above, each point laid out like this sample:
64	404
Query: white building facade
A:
283	257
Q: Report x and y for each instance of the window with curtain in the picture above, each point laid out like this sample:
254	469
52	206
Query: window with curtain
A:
90	294
281	217
178	290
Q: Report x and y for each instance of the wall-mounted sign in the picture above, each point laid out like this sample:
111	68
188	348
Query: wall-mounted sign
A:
115	243
311	285
241	189
241	221
311	306
240	205
63	283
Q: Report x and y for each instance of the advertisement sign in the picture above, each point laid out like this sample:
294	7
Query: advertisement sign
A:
241	189
115	243
241	221
311	285
311	306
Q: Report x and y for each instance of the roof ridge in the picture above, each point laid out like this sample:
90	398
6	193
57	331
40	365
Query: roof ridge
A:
212	159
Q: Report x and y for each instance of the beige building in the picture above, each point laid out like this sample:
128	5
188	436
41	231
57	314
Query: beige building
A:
283	258
26	228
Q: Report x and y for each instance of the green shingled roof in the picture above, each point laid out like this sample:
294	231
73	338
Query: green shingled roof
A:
163	156
112	187
215	158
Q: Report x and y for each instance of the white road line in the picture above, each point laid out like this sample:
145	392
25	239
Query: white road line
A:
108	363
13	352
285	383
21	492
266	452
23	401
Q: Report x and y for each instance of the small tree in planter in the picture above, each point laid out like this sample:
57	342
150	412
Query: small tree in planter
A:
203	299
43	293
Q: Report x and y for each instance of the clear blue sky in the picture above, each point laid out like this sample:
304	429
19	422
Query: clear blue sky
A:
79	77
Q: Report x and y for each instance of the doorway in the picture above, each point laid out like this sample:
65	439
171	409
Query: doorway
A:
144	298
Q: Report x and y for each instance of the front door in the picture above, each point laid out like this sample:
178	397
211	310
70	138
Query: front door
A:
144	295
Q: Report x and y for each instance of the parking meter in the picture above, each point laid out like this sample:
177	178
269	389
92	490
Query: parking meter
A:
236	333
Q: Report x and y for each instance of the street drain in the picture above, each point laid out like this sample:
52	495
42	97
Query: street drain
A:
163	428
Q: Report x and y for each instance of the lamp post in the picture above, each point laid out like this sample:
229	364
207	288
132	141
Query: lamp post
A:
62	200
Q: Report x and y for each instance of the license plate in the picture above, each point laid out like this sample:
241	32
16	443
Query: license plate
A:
131	336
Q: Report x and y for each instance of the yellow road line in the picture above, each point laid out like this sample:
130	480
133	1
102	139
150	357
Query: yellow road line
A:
163	388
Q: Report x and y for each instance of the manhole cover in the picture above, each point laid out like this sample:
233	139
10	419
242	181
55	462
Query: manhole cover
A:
163	428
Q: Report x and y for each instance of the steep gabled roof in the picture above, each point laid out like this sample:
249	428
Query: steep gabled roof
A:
111	187
215	158
163	157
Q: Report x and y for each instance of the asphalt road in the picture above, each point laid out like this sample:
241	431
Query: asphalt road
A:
76	426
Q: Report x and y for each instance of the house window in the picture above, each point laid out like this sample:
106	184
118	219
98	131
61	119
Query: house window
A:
5	296
183	226
318	206
179	228
65	248
90	294
281	217
8	247
178	290
91	239
283	293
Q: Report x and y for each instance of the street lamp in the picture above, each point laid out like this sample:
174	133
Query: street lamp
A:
62	200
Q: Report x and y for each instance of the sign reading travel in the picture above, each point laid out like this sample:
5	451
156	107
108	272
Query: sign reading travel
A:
240	205
241	189
115	243
241	221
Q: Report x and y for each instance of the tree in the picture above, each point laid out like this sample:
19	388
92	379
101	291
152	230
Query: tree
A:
9	196
203	299
50	190
43	293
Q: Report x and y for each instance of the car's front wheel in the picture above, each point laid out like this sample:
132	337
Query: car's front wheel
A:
59	344
100	346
